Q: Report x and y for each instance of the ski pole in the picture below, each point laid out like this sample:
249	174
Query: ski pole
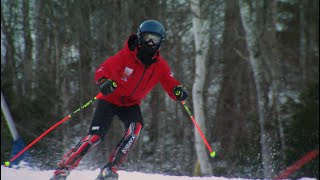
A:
7	163
212	153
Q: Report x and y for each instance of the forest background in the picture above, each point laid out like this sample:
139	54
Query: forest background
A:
259	93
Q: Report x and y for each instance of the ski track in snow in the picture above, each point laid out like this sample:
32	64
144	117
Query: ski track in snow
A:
29	174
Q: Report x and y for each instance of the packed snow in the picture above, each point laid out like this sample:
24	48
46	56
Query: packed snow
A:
31	174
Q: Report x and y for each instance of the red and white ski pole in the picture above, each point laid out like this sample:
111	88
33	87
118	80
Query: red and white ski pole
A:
7	163
212	153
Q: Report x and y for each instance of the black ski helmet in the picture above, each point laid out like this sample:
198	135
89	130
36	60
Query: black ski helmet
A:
151	26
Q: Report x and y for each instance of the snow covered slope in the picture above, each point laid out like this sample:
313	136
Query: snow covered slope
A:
29	174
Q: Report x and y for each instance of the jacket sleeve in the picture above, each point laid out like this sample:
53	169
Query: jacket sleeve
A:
167	81
110	68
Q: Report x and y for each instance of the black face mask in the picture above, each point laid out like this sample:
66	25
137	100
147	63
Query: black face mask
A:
146	54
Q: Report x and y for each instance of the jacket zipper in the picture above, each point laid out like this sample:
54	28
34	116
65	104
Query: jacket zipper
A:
134	90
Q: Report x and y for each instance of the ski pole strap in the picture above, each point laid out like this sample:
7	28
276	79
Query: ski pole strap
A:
212	153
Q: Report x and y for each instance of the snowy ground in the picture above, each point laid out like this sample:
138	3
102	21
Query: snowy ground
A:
29	174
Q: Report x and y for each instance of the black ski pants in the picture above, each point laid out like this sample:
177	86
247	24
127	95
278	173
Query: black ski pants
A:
105	112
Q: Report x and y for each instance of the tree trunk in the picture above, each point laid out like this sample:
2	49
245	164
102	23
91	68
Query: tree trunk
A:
201	47
260	37
232	106
27	57
85	73
9	56
302	41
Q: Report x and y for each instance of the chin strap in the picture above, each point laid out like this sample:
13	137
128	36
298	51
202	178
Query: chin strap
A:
119	154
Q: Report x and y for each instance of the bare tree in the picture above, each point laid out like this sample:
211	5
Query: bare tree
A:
234	106
260	37
28	45
201	40
8	21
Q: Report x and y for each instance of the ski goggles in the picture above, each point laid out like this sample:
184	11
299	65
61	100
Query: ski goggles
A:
148	37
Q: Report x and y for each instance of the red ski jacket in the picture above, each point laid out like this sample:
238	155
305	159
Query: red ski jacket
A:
134	80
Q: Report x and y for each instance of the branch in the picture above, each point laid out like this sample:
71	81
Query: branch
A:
240	54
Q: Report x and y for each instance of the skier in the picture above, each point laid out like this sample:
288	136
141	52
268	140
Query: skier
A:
124	80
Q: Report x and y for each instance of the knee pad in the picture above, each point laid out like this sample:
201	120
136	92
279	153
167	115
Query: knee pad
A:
130	136
73	157
120	152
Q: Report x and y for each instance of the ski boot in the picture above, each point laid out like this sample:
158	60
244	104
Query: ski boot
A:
108	172
60	174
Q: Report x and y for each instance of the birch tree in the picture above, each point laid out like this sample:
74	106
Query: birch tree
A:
260	37
201	41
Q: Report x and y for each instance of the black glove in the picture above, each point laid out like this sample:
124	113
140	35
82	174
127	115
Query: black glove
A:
106	86
180	93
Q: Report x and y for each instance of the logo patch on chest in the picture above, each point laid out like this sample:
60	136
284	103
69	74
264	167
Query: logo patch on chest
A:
126	73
